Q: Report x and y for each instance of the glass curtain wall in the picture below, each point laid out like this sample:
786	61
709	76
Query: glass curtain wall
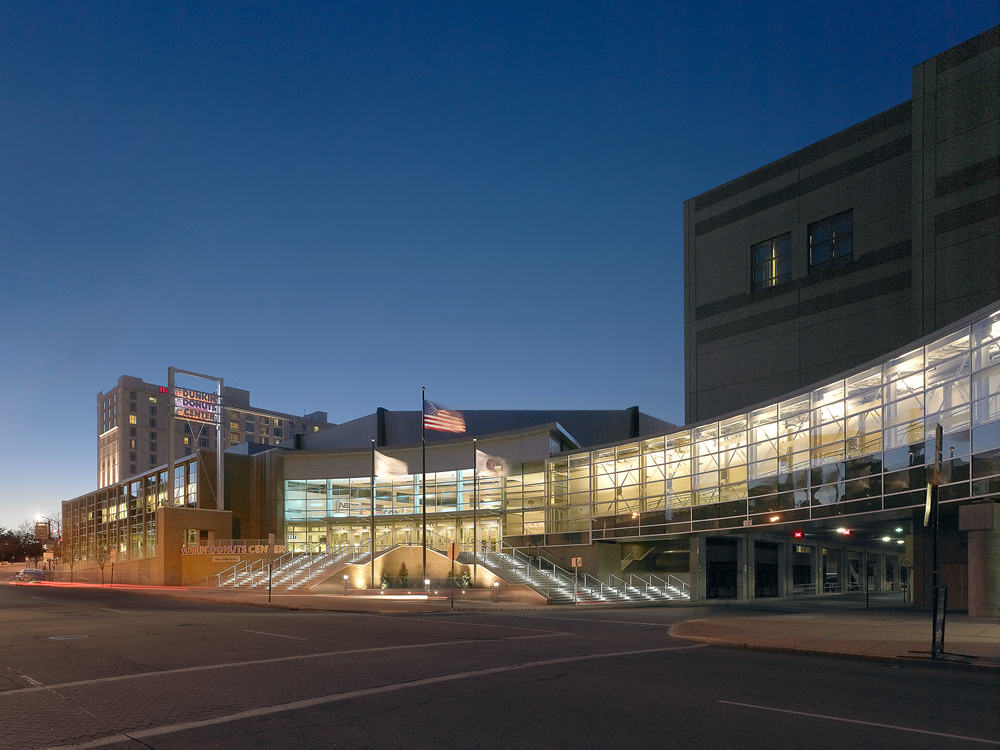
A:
852	445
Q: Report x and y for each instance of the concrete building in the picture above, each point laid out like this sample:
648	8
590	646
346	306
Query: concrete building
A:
851	247
132	428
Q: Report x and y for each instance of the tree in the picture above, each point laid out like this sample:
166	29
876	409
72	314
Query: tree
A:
102	556
404	576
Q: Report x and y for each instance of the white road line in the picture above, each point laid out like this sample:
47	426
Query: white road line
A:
339	697
276	635
252	662
466	623
612	622
119	611
981	740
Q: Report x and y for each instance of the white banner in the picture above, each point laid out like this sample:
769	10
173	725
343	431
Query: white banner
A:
387	466
490	466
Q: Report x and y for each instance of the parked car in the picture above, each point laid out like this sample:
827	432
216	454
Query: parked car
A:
28	575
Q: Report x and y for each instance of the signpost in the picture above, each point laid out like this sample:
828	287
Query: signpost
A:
452	554
932	517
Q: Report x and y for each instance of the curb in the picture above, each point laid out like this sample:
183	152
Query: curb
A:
750	646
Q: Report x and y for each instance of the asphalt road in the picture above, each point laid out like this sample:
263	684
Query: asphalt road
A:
104	668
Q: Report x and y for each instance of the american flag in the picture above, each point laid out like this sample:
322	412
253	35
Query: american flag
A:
443	420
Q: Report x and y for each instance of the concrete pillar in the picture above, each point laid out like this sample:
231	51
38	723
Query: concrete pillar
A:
786	574
696	568
270	543
329	534
817	569
211	538
747	556
982	523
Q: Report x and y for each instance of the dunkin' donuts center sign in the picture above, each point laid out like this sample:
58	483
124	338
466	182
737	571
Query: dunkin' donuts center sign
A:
231	549
197	406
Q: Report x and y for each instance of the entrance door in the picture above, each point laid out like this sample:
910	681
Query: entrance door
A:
803	562
721	568
765	574
854	580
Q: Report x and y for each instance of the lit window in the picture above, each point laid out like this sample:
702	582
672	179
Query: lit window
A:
132	419
187	440
771	262
831	240
152	399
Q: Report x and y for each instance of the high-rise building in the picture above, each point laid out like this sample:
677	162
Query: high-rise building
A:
132	427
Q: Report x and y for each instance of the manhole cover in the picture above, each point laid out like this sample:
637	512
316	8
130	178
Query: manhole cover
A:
70	637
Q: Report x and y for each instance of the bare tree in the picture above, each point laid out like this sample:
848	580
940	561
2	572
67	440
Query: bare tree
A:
102	556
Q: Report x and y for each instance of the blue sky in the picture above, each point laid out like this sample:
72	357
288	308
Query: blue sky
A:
331	204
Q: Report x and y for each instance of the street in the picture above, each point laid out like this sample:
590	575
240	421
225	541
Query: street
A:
93	667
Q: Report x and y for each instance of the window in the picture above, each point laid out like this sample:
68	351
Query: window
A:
187	440
771	262
830	240
132	419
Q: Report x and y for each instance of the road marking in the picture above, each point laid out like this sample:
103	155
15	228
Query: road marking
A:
40	598
119	611
981	740
612	622
339	697
466	623
277	635
273	660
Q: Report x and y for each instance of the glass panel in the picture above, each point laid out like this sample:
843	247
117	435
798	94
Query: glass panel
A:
904	375
863	381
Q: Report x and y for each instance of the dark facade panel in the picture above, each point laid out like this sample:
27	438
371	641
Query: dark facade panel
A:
845	138
970	213
888	254
867	160
966	51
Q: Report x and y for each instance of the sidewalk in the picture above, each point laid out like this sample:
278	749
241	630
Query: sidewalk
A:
885	634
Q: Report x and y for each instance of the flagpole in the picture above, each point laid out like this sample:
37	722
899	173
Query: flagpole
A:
475	502
371	534
423	484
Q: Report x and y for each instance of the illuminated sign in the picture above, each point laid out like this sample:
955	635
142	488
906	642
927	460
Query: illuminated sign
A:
231	549
197	406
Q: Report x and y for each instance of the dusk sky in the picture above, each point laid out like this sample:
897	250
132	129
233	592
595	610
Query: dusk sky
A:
331	204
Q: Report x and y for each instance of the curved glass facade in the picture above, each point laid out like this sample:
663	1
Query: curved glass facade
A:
856	444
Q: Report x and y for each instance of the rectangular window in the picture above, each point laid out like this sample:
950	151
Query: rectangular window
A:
132	419
830	241
771	262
